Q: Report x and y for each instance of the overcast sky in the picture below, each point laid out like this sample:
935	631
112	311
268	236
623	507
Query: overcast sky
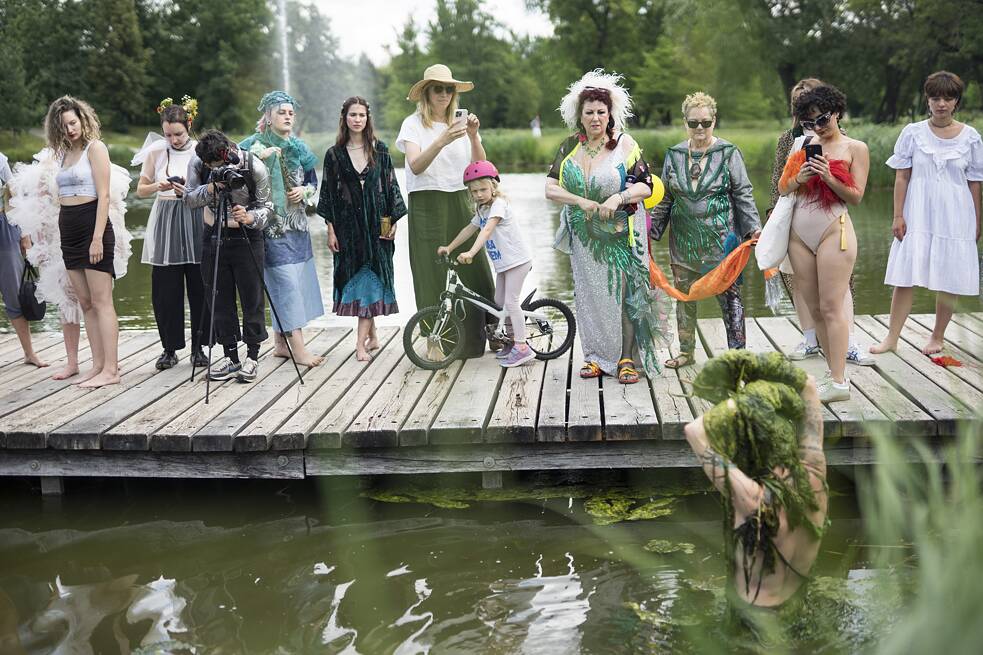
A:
370	25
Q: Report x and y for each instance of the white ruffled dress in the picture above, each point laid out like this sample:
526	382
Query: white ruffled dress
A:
34	209
939	250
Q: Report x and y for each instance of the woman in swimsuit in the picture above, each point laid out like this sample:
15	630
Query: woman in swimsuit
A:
822	244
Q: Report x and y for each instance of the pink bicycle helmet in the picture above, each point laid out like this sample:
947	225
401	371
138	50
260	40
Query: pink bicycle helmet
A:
480	169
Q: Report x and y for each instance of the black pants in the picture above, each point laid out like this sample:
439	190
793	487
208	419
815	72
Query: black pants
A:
242	251
167	285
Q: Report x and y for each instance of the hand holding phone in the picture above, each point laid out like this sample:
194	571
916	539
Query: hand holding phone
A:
813	150
460	114
176	179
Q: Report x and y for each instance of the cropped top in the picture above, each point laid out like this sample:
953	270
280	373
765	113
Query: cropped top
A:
76	180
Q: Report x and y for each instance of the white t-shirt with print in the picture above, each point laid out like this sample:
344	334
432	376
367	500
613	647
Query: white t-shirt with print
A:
506	248
446	171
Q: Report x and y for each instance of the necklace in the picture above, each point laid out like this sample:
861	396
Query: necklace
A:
941	127
698	160
591	151
355	147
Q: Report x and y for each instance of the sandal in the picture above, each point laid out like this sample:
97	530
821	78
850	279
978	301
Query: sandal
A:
679	361
590	370
626	371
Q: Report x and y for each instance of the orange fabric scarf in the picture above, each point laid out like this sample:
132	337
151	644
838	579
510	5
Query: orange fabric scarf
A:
712	284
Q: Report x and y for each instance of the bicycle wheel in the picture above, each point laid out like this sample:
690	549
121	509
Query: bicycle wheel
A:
433	338
552	337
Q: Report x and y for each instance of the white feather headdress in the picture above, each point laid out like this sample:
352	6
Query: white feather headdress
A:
597	78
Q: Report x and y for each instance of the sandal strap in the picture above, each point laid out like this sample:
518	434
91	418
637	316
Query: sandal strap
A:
621	362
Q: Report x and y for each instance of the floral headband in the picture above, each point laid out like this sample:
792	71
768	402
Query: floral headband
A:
189	104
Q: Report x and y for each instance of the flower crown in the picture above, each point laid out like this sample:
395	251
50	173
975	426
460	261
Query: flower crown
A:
189	104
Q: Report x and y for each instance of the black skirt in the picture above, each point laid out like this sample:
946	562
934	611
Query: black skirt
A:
76	224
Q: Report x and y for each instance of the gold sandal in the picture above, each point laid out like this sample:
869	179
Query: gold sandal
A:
626	371
679	361
590	370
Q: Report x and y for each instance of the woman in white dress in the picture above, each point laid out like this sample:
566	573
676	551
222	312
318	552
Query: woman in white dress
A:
936	225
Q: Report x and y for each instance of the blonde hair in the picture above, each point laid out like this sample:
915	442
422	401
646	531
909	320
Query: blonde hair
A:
54	131
803	85
699	99
496	189
427	116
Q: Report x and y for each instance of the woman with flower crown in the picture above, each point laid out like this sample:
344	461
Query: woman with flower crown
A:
172	245
290	275
601	179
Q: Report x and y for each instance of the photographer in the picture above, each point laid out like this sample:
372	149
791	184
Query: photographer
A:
219	166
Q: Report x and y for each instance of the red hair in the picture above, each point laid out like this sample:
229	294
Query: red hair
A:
596	94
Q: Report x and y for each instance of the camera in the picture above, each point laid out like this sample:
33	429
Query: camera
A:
230	176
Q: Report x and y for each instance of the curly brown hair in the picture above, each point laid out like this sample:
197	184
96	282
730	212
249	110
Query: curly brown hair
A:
55	133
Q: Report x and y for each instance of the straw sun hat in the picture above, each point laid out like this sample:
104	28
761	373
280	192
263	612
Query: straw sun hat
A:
437	73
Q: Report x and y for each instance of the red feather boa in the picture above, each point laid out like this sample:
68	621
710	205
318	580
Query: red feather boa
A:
816	190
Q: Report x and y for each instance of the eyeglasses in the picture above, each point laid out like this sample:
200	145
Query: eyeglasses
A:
695	124
442	88
820	121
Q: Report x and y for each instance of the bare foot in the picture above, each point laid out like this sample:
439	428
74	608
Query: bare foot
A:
309	360
933	347
281	351
88	375
35	360
362	355
65	372
371	343
883	347
101	380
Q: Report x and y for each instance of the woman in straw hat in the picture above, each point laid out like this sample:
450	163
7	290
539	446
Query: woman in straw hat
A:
438	148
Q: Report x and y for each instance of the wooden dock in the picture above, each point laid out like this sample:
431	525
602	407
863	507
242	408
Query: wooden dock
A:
387	416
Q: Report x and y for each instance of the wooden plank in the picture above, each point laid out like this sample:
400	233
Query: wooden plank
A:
963	338
416	428
629	411
115	464
670	401
944	395
379	422
330	431
916	335
551	422
856	415
688	373
969	322
584	413
465	414
12	356
513	417
36	423
345	370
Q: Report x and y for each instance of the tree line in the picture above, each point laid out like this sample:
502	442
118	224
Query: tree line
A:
125	55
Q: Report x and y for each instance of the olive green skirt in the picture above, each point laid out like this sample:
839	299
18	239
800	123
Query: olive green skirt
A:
435	218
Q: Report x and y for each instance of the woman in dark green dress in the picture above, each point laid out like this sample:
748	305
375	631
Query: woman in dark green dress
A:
361	202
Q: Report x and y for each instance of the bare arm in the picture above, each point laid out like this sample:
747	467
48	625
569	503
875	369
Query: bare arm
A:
974	190
859	169
484	235
419	160
745	493
99	161
461	237
899	226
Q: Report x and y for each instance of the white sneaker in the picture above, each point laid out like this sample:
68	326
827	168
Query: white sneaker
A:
855	356
803	351
249	370
831	392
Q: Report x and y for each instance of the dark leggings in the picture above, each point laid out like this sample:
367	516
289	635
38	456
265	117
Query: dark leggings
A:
167	286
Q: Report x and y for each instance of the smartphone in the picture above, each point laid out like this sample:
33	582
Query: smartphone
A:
813	150
176	179
460	114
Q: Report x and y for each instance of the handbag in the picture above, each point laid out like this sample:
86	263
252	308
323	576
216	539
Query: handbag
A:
772	247
31	308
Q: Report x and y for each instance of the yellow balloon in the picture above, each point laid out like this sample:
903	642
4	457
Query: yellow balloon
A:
658	193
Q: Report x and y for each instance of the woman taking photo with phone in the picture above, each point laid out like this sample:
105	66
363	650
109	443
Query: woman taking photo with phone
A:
440	141
822	246
172	245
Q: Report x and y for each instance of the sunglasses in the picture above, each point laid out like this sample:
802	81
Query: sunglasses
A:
820	121
695	124
442	88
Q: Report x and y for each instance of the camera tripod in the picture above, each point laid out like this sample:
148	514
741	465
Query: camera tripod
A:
221	221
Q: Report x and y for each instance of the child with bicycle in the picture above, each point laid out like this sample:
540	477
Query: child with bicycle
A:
500	234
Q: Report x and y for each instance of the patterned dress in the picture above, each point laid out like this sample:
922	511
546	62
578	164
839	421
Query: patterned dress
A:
610	258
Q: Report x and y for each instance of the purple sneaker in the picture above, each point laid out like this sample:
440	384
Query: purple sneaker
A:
518	357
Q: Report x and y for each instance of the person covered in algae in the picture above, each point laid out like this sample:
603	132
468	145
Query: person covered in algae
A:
761	446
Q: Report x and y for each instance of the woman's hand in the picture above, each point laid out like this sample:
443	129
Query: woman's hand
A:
899	227
820	165
296	194
25	244
95	251
473	125
179	189
610	206
806	173
266	152
392	235
164	185
442	251
333	244
465	257
589	207
453	132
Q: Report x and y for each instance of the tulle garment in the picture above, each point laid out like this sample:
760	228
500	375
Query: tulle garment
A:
174	233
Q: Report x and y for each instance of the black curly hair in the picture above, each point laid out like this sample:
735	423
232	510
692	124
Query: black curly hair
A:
825	98
213	146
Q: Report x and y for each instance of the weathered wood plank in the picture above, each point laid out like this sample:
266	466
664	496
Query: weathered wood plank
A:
961	337
950	400
552	419
330	432
416	428
629	411
855	415
379	422
584	410
673	407
916	335
513	417
113	464
20	378
969	321
689	372
465	413
12	357
292	433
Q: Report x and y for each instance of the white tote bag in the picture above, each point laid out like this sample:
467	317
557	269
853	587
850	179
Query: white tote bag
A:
772	246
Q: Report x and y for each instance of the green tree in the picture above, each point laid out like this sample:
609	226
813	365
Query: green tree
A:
406	64
115	62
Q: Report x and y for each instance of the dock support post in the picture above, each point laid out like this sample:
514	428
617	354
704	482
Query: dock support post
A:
52	486
491	479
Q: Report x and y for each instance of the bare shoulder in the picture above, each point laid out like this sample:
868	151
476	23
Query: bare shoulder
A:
98	147
857	147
